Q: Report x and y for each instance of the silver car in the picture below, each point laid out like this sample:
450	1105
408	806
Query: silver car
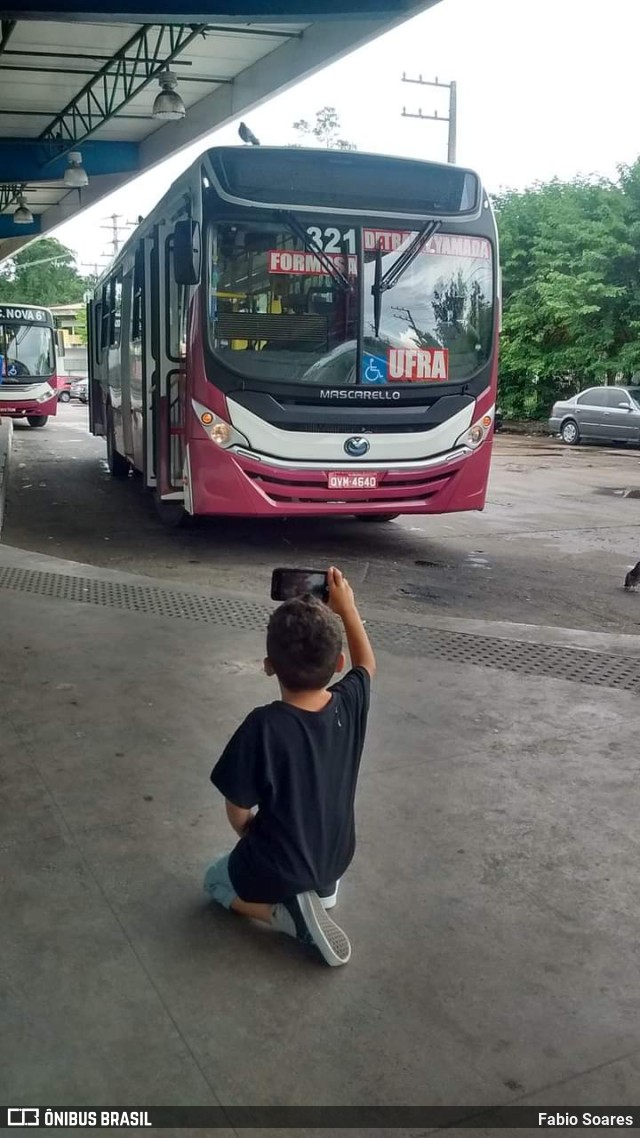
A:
80	390
601	414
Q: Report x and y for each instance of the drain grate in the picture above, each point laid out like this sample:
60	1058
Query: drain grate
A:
137	598
554	661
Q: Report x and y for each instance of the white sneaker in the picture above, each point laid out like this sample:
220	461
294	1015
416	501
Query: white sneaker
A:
329	901
304	918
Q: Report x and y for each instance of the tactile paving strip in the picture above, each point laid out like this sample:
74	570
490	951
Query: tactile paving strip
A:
574	664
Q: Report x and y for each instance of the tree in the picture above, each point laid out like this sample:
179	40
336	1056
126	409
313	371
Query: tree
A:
43	273
570	256
80	328
325	130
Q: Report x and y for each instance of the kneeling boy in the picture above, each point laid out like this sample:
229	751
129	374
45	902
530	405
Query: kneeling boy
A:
289	775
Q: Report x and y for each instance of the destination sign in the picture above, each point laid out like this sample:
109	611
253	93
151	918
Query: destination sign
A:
25	314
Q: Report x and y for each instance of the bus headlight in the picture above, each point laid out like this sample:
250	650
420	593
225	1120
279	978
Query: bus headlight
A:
476	434
218	431
221	433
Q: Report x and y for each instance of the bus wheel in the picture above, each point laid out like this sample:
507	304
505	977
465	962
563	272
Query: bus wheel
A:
37	420
172	514
117	463
381	518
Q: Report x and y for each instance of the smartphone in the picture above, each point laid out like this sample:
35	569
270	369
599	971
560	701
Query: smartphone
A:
288	583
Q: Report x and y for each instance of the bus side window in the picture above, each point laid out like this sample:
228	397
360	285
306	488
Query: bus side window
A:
105	311
177	309
96	330
136	308
116	311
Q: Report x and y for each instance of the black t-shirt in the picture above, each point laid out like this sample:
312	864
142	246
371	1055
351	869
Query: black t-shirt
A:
300	768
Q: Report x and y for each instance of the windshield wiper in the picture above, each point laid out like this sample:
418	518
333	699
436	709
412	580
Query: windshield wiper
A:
382	283
329	266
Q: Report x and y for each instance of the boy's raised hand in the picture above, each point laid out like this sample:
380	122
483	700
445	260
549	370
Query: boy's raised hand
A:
342	602
341	598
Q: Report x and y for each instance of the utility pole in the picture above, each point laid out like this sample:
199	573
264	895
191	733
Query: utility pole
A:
116	225
451	119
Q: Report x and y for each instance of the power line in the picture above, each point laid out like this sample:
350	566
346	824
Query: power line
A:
57	258
60	257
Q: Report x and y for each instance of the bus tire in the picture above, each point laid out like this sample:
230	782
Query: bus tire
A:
381	518
172	514
570	433
37	420
117	463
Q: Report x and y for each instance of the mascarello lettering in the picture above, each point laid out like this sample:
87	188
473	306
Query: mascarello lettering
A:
359	394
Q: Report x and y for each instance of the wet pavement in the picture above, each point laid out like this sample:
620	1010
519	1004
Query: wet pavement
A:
561	529
492	903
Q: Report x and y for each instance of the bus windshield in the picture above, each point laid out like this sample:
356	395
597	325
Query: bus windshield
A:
26	353
273	310
435	322
276	315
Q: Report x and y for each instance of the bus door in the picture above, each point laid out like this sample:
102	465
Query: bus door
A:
142	363
97	424
169	302
125	363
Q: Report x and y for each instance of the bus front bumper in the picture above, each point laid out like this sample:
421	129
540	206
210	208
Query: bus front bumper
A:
228	482
17	405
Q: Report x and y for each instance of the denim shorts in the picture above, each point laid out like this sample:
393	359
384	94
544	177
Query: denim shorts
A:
217	883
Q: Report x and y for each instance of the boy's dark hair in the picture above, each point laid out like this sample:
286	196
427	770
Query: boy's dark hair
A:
303	644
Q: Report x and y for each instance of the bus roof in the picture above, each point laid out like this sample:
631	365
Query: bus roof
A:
252	176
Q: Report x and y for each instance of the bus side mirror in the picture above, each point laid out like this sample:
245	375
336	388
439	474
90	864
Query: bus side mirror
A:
60	342
187	252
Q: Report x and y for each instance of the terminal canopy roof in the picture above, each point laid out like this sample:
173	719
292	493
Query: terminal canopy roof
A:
73	80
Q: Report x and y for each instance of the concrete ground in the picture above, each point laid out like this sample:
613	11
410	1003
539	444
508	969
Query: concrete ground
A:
6	438
561	528
492	904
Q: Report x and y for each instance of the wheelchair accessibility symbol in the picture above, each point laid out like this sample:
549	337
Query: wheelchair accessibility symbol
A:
374	369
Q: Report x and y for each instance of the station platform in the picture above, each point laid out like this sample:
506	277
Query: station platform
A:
492	903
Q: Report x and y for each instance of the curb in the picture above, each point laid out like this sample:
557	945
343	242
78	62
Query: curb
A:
616	643
6	435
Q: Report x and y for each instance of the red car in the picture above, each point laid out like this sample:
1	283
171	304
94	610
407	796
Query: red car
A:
64	389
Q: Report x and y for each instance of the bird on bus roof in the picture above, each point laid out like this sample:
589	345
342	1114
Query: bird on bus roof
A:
633	577
247	135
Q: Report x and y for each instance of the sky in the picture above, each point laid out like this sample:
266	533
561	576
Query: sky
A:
546	88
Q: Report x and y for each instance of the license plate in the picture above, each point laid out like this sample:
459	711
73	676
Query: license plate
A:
352	481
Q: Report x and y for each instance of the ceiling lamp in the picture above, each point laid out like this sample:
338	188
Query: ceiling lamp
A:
75	175
168	104
23	215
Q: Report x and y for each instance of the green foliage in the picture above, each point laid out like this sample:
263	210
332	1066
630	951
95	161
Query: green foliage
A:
81	326
325	130
570	256
43	273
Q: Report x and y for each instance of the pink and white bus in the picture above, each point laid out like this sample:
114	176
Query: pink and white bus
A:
298	332
28	378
